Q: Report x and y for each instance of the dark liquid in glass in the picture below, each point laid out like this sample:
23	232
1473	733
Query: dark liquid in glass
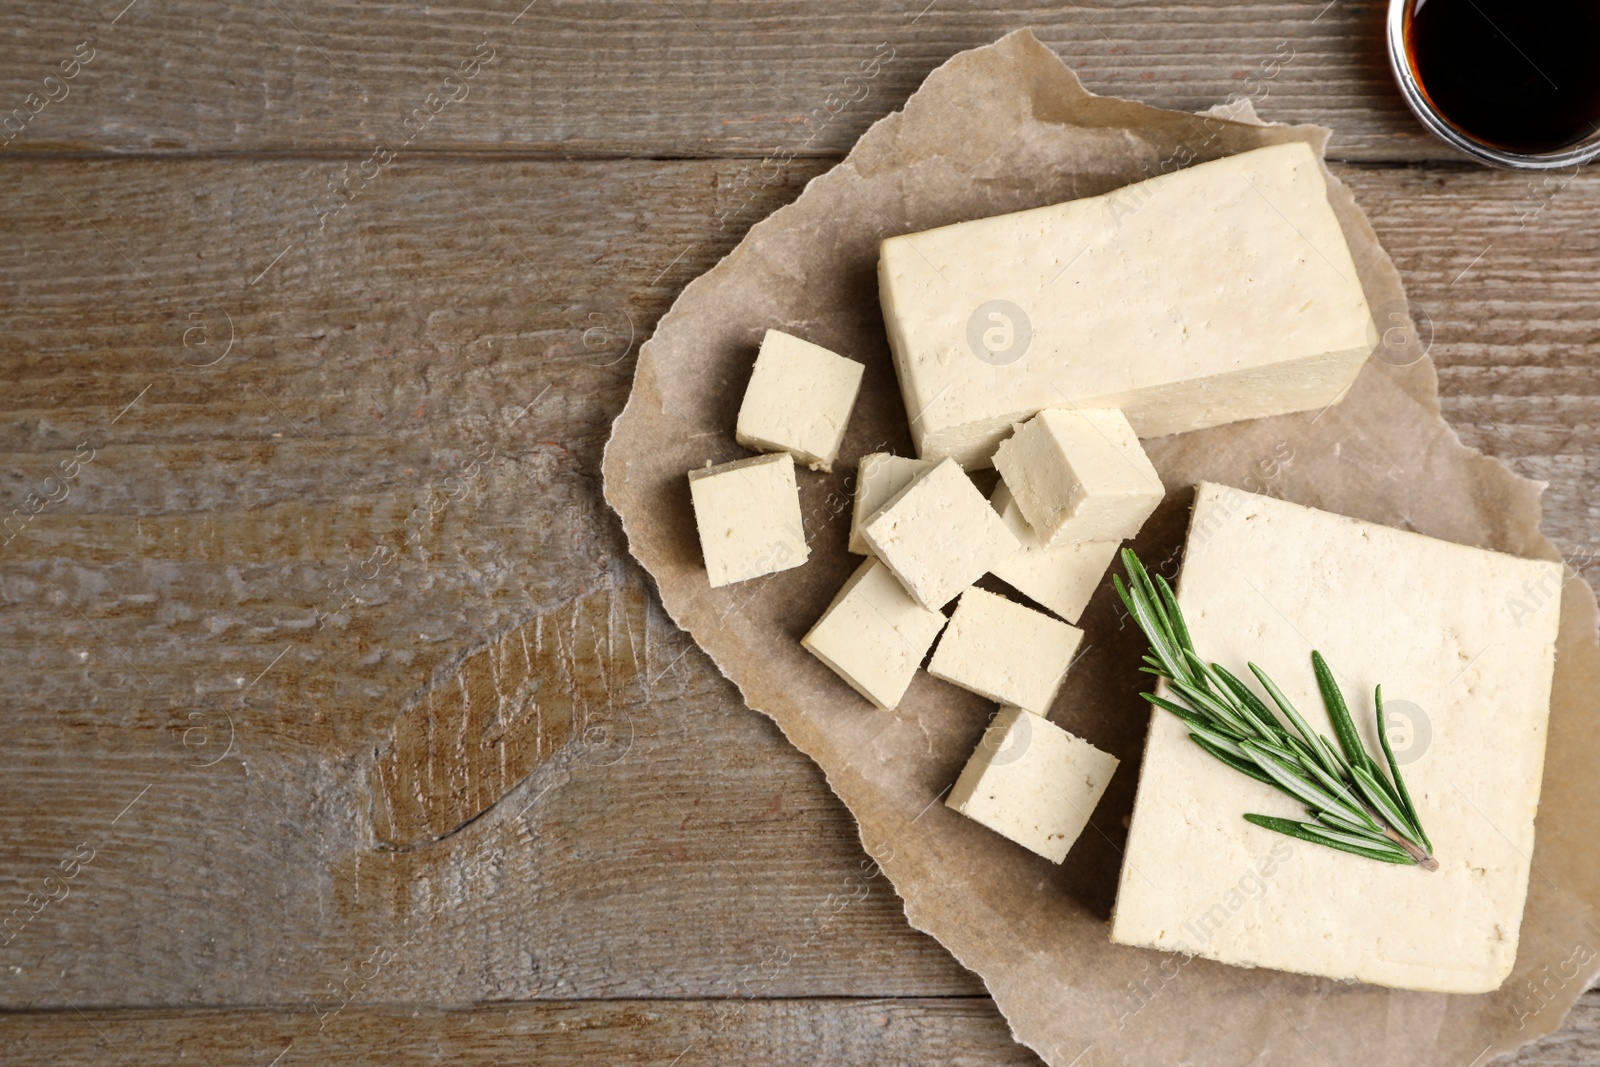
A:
1521	75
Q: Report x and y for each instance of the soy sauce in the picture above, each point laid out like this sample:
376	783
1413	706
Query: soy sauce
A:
1521	75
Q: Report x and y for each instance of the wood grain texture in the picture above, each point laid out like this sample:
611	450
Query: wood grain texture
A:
1500	271
212	576
674	78
209	652
954	1031
564	676
690	1033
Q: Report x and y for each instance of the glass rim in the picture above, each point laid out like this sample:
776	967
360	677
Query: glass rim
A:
1417	100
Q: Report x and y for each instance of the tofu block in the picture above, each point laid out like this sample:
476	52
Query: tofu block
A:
1032	782
748	515
1005	651
798	400
938	535
1221	292
874	635
1079	474
879	478
1062	578
1462	641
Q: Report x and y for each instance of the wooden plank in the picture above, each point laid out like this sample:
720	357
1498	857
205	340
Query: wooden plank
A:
217	558
199	691
954	1031
674	79
1500	272
688	1033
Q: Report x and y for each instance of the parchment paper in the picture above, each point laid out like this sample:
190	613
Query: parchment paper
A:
993	130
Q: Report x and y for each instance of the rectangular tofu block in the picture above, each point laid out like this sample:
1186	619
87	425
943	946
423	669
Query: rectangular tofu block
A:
1005	651
1462	641
748	515
798	400
874	635
1079	474
879	478
938	535
1062	578
1032	782
1217	293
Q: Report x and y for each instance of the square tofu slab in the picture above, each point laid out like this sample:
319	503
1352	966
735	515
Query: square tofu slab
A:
748	515
1079	474
1221	292
1462	641
798	400
1062	578
1032	782
938	535
878	478
874	635
1005	651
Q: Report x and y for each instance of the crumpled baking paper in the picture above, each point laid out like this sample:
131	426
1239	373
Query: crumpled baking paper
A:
999	129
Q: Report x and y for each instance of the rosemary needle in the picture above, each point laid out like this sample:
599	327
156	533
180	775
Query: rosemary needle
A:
1355	806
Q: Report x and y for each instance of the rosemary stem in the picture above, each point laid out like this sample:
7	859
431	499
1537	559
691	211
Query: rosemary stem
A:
1425	861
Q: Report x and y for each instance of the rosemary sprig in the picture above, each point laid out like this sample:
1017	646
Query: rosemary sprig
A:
1354	805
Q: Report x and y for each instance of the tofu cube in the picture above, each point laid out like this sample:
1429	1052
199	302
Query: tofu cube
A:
938	535
1079	475
1032	782
748	515
1062	578
1462	641
878	478
798	400
874	635
1005	651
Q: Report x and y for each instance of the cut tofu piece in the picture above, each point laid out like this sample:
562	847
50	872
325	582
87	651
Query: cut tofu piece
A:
938	535
798	400
1032	782
1217	293
748	515
1062	578
1005	651
1079	474
1462	641
879	478
874	635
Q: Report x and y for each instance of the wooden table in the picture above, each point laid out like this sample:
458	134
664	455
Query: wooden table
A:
317	315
